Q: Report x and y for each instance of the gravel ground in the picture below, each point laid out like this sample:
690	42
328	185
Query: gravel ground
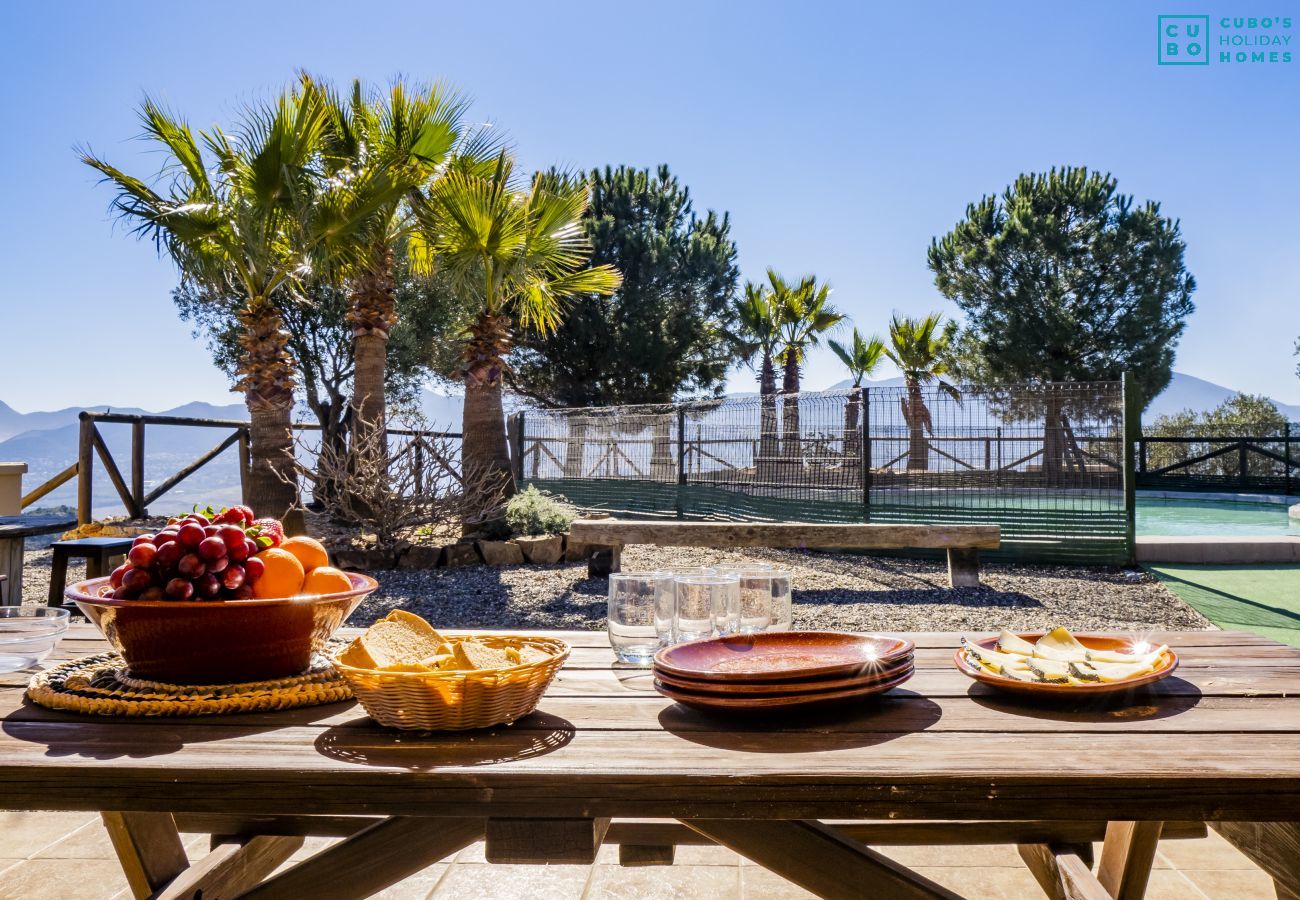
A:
831	591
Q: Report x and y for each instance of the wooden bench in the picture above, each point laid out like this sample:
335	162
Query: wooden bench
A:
962	542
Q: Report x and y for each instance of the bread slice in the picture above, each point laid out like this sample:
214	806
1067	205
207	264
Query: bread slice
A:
415	623
532	655
388	643
473	655
406	667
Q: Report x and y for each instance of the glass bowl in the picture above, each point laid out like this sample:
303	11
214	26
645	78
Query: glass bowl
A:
28	634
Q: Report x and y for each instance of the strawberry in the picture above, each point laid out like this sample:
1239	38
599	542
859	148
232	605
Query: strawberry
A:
267	533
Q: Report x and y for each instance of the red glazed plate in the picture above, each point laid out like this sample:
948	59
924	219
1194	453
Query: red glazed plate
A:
803	686
1039	689
726	703
218	641
782	656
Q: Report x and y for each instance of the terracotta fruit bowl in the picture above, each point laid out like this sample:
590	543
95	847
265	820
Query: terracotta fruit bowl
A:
218	642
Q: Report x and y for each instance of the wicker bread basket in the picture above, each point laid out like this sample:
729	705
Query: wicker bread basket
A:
462	699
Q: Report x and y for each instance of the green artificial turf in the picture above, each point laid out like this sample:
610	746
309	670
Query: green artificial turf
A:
1262	599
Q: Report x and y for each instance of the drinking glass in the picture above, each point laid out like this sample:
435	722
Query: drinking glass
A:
705	605
765	603
640	614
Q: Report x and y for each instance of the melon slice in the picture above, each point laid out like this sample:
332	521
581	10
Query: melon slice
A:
1012	643
1059	644
1117	656
992	660
1053	670
1120	671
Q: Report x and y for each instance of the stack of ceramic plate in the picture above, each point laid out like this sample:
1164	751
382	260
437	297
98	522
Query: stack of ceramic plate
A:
782	669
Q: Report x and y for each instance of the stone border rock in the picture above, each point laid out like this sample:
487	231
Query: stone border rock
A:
537	550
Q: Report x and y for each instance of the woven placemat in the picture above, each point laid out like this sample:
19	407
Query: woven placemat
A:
100	685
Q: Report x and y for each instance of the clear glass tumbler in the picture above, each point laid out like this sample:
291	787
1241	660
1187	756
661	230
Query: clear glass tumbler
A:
640	615
705	605
765	602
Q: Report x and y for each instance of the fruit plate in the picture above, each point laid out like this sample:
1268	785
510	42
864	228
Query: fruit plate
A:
803	686
217	641
729	703
780	656
1166	667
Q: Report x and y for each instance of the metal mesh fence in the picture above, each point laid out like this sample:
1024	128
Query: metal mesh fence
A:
1043	461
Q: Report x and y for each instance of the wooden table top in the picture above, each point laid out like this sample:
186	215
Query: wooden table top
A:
1220	739
31	526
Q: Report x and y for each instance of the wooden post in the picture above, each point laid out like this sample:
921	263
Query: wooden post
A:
1243	463
85	468
998	479
1286	455
137	467
245	463
1131	426
866	454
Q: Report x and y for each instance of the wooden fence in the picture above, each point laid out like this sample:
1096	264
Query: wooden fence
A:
133	493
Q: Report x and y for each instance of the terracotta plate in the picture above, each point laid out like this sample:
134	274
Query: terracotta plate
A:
1040	689
729	703
781	656
803	686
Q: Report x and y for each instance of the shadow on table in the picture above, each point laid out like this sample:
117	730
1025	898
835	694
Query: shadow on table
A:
1167	698
984	597
115	737
365	743
848	725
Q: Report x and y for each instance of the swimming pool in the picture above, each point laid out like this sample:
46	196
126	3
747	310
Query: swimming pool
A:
1174	516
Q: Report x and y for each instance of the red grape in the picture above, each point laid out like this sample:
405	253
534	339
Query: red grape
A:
233	578
211	530
217	566
243	592
142	539
241	551
179	589
253	568
207	587
191	565
233	536
152	593
136	579
116	578
212	548
125	593
200	518
190	535
166	536
142	555
168	555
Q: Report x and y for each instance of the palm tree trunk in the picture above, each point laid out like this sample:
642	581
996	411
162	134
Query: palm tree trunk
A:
485	457
918	452
768	448
790	447
852	437
372	312
266	377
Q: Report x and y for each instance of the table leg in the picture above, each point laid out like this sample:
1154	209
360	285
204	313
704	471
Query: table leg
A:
149	848
11	565
58	578
819	859
1126	858
1273	846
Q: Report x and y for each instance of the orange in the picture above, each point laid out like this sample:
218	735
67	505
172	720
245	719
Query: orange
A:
326	580
310	552
283	576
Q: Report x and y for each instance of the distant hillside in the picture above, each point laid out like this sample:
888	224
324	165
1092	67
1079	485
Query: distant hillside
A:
1184	392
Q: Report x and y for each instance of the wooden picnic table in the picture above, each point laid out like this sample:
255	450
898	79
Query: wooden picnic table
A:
14	531
940	760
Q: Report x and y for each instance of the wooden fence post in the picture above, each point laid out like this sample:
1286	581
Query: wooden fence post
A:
1286	457
681	459
245	463
865	400
85	468
1131	426
137	467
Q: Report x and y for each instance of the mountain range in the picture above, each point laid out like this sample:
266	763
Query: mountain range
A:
47	441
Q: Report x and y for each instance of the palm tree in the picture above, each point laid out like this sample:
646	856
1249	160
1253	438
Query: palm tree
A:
409	133
922	351
516	251
251	224
805	314
861	357
758	334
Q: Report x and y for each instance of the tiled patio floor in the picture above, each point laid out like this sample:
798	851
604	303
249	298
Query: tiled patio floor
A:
67	856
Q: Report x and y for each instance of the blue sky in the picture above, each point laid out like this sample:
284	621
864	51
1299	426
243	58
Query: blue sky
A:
840	136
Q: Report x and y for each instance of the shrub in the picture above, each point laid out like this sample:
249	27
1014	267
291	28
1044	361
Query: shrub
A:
532	512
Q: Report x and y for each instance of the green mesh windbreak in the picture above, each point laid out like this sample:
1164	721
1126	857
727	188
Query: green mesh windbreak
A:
1042	461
